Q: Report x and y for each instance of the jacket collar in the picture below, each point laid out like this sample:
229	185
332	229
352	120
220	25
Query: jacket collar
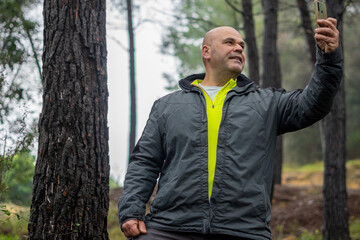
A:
243	83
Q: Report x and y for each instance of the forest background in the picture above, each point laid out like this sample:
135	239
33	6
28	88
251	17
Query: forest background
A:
181	34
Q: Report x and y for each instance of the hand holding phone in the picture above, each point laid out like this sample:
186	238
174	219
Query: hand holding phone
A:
326	34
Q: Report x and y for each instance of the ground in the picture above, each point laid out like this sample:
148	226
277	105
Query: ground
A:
296	209
299	208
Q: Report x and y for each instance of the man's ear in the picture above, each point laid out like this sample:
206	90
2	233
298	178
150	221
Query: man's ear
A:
205	51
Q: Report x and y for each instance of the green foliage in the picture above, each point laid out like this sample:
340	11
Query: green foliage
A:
19	179
15	37
305	235
318	166
280	230
13	27
9	237
192	20
13	221
5	164
9	92
116	234
354	228
353	173
308	168
21	145
172	83
114	230
310	236
355	163
113	183
16	223
14	134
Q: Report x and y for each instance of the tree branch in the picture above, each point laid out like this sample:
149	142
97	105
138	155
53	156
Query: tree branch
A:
233	7
35	55
210	23
118	42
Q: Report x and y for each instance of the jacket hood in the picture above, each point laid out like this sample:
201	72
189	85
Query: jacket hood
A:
242	81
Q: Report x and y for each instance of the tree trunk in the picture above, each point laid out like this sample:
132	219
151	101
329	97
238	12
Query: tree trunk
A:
250	38
71	182
335	209
271	76
308	29
132	78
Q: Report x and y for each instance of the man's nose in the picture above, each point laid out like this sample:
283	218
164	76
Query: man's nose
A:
238	48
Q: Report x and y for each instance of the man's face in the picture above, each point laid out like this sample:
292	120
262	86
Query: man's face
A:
227	51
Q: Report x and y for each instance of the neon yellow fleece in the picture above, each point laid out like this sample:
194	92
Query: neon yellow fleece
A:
214	114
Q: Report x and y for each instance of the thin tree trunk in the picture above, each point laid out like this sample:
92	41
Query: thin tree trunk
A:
250	38
335	209
271	76
308	29
71	182
29	36
132	78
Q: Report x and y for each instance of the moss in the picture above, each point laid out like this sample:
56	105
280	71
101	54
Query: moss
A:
355	229
114	230
14	221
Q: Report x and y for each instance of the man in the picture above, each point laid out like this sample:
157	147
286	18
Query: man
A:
211	145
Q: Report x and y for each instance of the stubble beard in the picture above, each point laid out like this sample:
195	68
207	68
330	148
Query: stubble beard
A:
235	70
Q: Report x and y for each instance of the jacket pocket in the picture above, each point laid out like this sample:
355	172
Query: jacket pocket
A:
166	196
258	202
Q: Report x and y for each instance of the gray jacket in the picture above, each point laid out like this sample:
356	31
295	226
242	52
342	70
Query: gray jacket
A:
174	147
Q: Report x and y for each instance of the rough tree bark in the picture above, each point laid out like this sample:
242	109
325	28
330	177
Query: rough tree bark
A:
271	76
71	182
335	209
132	78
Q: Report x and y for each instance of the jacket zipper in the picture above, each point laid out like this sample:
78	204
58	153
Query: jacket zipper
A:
205	228
212	103
206	222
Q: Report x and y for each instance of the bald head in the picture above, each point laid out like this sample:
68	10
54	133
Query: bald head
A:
216	32
223	53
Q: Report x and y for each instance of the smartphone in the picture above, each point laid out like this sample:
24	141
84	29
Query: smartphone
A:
320	9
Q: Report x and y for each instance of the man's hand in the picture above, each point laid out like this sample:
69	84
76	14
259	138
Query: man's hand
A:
133	228
327	35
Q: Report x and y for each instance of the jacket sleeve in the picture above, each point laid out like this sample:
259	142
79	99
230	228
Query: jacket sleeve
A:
301	108
145	164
